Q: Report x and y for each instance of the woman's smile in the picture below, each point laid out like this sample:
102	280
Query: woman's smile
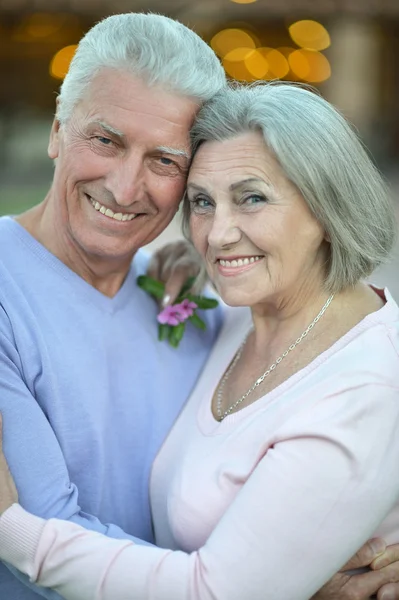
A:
232	266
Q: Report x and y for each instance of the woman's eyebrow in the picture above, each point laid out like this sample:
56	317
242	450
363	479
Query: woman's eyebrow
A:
245	182
197	187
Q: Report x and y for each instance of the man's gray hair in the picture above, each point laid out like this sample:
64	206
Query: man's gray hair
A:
323	157
153	47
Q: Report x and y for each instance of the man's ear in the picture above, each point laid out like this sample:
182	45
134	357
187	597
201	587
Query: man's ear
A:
53	145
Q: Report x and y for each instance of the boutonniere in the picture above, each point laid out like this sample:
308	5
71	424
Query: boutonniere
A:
172	319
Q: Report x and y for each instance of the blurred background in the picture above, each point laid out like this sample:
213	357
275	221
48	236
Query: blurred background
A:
346	48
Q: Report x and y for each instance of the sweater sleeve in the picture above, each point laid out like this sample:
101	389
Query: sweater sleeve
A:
315	497
34	453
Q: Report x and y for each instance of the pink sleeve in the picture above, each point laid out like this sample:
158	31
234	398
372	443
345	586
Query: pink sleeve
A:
313	500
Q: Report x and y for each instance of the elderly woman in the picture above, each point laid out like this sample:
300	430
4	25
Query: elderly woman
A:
292	431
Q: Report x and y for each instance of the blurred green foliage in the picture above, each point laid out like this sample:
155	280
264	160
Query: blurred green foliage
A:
16	199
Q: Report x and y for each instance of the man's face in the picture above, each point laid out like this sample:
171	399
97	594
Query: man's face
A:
121	165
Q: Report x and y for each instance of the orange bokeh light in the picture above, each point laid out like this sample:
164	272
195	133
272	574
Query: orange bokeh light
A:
310	34
60	62
228	40
309	65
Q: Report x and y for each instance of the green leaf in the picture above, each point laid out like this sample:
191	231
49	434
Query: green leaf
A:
163	331
197	321
175	334
203	302
151	286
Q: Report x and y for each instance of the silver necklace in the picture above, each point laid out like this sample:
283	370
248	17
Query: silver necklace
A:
219	396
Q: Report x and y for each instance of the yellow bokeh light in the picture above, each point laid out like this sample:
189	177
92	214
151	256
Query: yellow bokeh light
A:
257	64
239	54
41	25
46	27
60	62
231	39
310	65
310	34
243	1
278	64
234	64
267	63
299	64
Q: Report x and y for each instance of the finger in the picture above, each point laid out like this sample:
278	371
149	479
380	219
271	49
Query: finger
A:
154	267
367	553
366	584
390	555
390	591
174	284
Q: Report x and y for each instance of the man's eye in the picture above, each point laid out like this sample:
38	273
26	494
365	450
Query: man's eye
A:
104	140
166	161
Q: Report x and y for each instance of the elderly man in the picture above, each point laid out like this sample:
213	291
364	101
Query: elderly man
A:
86	391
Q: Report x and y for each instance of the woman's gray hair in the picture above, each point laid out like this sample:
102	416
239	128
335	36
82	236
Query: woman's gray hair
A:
157	49
324	158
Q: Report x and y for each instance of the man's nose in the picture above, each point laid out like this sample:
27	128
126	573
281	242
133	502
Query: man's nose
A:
127	180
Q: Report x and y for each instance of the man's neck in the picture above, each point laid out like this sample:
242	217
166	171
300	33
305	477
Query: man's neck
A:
107	276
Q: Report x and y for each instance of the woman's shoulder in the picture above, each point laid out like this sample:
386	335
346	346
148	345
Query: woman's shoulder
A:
381	328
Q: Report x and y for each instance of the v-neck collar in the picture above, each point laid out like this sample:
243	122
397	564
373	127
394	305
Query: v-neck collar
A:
103	302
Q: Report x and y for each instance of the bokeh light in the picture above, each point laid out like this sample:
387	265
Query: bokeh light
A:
41	25
228	40
60	62
267	63
243	1
257	64
46	27
309	65
278	64
310	34
234	64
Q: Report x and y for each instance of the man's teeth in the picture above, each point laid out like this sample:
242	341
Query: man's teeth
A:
240	262
110	213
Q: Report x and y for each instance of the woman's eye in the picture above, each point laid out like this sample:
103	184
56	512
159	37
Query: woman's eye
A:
200	203
254	199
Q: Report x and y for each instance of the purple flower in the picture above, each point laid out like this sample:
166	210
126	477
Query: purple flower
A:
187	308
177	313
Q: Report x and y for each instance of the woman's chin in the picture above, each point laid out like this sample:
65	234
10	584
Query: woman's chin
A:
234	298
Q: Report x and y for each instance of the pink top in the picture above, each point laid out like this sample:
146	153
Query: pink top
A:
270	503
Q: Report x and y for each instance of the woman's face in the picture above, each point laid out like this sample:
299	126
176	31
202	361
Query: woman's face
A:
251	225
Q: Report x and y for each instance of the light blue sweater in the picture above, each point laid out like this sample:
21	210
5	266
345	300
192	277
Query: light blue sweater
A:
87	392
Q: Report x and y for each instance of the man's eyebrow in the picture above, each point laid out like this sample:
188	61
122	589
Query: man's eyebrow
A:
173	151
108	128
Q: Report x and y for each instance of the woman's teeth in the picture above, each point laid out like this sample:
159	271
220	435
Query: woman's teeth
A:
239	262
